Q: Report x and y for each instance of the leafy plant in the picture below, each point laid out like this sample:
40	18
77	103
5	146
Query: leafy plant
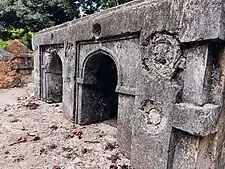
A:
4	44
19	19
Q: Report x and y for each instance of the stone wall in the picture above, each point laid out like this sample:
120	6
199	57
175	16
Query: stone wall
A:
12	70
169	56
23	56
9	77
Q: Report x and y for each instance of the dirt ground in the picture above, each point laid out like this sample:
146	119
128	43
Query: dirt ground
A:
34	135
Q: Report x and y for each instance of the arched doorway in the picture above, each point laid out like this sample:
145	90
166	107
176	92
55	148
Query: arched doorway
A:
53	78
99	100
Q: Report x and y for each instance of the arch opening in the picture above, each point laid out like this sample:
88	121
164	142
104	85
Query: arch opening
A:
99	98
54	79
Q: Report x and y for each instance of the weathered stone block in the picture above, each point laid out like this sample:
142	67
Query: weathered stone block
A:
197	75
124	120
196	120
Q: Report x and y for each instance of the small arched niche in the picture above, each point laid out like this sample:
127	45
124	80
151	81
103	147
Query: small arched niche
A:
54	79
99	99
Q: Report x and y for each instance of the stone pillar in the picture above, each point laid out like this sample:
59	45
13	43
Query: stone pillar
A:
125	113
36	71
158	85
69	76
177	105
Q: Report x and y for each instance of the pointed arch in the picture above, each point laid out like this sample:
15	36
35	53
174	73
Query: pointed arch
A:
99	99
104	51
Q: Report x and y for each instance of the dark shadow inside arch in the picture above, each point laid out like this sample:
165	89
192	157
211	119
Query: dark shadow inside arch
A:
54	79
99	99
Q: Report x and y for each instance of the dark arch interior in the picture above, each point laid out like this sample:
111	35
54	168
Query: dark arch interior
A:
55	64
100	100
54	79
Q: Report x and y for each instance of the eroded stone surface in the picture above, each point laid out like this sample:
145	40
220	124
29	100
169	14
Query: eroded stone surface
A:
168	93
196	120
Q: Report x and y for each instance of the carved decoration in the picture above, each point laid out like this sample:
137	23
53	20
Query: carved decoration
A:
69	49
49	54
162	55
153	118
97	29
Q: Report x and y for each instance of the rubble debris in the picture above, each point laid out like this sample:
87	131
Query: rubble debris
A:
113	166
115	157
52	146
91	141
78	132
85	150
15	62
36	138
23	128
43	151
111	146
56	167
54	127
10	81
102	134
33	136
125	166
7	107
68	135
117	161
55	105
14	120
19	140
18	158
69	153
69	149
31	105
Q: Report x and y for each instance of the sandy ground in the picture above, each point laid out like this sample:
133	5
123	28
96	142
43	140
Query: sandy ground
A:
34	135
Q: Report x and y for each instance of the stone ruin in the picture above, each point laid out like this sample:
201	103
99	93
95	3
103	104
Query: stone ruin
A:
16	65
156	65
23	55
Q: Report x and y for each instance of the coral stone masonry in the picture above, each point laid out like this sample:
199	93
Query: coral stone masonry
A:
158	66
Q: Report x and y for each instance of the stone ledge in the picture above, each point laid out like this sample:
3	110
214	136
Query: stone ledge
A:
80	81
196	120
126	90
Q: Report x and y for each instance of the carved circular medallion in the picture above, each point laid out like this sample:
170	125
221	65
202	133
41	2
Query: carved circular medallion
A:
153	118
163	55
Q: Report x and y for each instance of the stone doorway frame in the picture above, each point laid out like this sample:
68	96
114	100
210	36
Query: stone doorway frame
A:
45	70
82	81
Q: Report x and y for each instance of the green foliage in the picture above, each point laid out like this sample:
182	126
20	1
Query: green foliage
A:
10	34
4	44
34	15
20	18
90	6
22	35
111	3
